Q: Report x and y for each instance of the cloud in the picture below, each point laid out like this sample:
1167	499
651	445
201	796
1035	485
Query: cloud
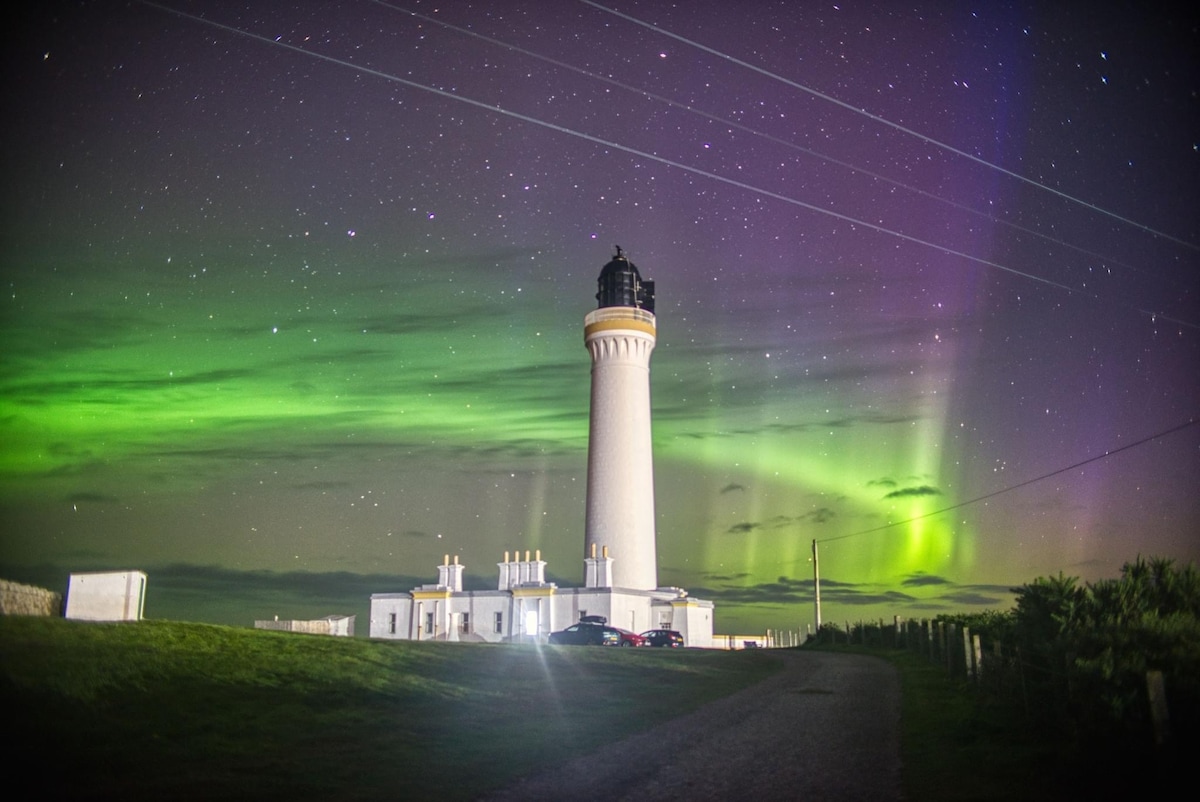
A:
819	515
909	492
786	591
781	592
220	579
924	580
965	597
866	597
686	412
725	577
92	498
789	592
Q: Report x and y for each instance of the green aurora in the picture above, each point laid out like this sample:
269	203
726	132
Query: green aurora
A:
294	303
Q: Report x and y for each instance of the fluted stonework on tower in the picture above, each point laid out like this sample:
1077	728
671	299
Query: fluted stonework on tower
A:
620	337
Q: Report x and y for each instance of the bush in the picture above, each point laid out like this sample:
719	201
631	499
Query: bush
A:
1087	649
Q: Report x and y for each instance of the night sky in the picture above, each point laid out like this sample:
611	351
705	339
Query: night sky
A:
294	294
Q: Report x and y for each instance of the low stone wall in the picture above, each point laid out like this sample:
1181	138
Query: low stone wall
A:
18	599
334	625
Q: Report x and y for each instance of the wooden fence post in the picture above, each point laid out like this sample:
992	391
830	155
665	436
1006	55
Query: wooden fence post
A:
968	663
1159	713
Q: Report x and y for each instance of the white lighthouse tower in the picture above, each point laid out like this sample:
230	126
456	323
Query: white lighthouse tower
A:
620	336
620	552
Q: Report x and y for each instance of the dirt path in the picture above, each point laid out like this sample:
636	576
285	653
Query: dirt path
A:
826	727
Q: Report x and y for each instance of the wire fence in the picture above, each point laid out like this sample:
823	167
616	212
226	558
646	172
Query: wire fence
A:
1128	703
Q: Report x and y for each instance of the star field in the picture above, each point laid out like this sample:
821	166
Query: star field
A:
294	298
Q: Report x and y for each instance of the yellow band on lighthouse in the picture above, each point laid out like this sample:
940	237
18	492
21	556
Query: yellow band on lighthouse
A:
626	324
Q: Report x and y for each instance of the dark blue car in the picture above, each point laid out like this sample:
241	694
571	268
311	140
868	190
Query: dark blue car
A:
663	637
586	634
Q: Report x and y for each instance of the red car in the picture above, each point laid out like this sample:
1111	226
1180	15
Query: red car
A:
630	638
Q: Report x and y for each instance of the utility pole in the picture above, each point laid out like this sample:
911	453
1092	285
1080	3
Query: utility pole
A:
817	586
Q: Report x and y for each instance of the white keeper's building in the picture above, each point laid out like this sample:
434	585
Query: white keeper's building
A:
526	608
620	556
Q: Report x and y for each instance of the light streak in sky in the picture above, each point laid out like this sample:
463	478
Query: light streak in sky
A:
497	109
754	132
889	123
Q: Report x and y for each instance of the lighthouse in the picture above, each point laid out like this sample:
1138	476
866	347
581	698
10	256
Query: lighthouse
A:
620	552
620	336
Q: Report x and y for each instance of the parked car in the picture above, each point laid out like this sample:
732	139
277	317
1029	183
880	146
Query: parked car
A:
663	637
586	633
631	638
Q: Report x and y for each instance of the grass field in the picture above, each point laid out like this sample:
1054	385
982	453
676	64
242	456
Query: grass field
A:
955	749
956	745
166	710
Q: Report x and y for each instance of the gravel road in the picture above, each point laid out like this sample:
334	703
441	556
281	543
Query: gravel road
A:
826	727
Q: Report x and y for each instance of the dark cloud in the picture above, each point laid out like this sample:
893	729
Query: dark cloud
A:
924	580
819	516
101	382
857	597
217	578
970	599
725	577
782	592
908	492
790	591
92	498
687	411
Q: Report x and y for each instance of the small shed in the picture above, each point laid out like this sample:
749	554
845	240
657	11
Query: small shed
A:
107	596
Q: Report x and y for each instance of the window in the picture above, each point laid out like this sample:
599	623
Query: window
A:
465	626
428	623
391	623
499	627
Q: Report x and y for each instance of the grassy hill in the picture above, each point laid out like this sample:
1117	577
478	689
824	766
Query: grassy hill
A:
157	710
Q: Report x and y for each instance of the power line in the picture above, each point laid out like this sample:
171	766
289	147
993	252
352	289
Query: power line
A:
1027	482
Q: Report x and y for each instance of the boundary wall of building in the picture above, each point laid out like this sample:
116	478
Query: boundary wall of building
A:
18	599
340	625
